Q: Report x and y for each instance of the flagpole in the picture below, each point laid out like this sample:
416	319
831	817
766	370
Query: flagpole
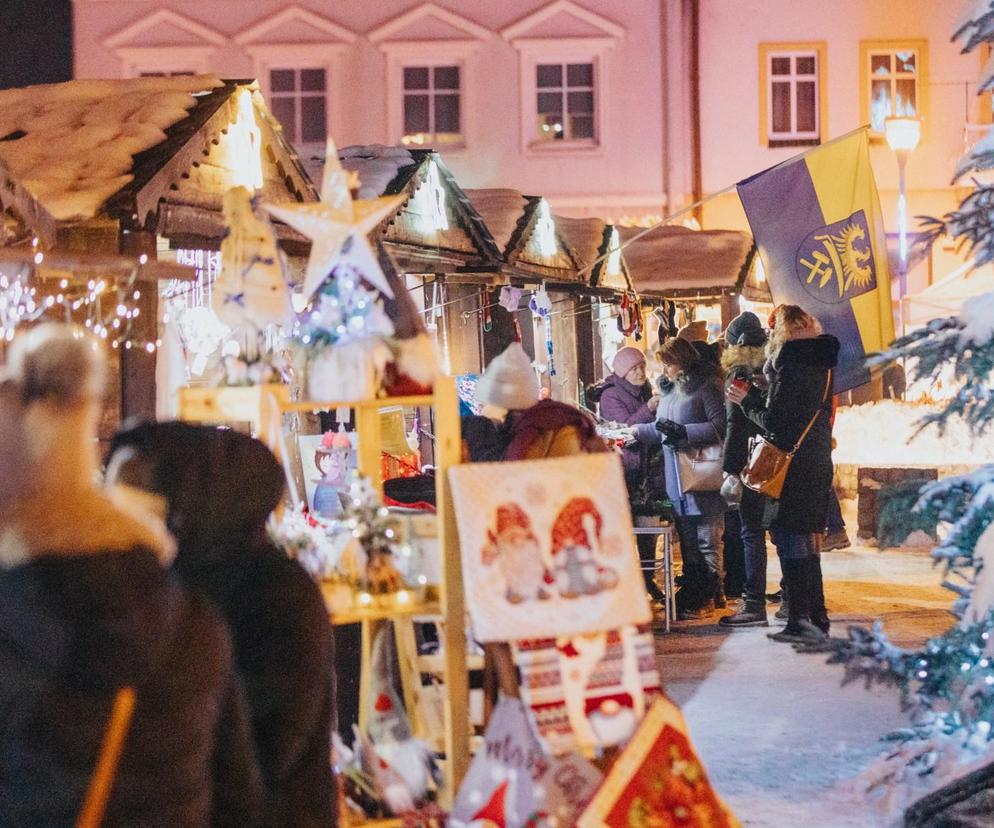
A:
711	196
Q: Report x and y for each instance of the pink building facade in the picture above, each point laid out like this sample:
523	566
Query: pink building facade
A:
559	98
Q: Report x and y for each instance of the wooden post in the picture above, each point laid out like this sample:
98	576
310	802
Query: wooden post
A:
137	364
456	703
583	319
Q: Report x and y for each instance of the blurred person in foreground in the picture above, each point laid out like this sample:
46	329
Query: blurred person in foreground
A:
801	361
219	488
87	608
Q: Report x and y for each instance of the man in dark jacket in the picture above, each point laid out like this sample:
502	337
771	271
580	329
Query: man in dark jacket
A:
86	609
220	487
743	361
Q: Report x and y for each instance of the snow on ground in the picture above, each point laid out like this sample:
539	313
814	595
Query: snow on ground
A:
781	738
883	434
72	144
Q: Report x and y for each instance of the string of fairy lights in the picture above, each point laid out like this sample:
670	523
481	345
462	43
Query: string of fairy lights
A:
104	306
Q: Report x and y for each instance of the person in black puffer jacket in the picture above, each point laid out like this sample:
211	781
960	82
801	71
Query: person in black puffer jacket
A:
220	487
743	361
87	607
802	361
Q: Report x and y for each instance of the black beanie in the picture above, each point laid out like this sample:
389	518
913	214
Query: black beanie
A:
745	329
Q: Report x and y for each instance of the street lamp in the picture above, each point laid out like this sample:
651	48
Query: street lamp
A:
903	135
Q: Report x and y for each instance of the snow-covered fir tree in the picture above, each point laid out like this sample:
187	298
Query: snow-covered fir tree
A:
948	685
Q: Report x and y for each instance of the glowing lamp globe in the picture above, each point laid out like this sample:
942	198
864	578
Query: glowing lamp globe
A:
903	134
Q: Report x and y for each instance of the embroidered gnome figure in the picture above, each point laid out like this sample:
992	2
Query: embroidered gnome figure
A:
514	546
574	534
492	815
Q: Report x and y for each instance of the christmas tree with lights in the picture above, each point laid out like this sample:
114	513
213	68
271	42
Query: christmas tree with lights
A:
948	684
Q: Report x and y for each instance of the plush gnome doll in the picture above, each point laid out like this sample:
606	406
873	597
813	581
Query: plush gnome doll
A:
251	291
513	545
574	535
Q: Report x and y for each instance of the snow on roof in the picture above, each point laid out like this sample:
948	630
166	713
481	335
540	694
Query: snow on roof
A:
376	165
585	236
72	145
501	210
671	257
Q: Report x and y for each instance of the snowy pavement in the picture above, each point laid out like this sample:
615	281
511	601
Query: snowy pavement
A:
779	735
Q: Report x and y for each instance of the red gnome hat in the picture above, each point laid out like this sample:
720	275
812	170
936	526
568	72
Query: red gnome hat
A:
570	528
492	814
512	516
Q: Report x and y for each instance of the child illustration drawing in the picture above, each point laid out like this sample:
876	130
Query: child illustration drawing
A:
332	460
574	535
514	546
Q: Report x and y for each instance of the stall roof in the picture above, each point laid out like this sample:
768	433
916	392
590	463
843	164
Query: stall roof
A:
526	233
436	229
672	260
112	151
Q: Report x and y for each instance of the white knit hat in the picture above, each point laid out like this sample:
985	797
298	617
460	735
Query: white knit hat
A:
509	381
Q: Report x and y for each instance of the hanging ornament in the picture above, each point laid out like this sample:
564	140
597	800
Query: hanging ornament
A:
333	220
487	313
251	291
626	314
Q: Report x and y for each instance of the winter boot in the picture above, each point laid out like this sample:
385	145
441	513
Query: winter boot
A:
697	613
752	614
835	540
799	629
816	589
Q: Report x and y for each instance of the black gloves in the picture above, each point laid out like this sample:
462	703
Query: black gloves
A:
673	433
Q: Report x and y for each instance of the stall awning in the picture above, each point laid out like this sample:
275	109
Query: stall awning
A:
672	260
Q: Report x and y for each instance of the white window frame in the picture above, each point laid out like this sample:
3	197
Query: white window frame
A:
431	92
410	54
327	56
564	89
298	94
793	78
165	59
535	51
893	76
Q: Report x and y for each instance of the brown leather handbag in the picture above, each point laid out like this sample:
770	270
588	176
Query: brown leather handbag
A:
766	470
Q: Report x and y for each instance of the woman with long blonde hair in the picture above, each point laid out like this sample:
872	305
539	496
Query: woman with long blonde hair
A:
801	359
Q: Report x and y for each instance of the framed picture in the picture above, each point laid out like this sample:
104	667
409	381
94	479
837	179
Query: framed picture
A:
547	547
328	461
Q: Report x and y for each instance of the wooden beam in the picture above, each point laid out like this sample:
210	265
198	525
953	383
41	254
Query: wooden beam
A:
137	365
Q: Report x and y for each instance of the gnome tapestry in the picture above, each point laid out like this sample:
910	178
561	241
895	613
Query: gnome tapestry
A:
588	691
658	780
547	547
512	783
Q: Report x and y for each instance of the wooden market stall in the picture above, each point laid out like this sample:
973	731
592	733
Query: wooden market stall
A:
137	168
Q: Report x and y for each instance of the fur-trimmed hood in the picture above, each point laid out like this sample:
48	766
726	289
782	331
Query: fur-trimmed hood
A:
80	522
62	510
752	357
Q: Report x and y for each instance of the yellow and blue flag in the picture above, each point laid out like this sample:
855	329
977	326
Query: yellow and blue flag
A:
820	232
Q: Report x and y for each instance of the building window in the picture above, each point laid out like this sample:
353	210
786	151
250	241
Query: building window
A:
176	74
298	98
565	102
792	107
793	90
894	78
432	104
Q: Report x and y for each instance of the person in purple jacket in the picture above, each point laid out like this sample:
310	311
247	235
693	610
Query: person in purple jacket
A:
625	396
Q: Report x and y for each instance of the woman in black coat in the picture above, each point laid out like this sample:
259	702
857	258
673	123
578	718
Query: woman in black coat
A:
87	607
743	360
220	487
802	360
